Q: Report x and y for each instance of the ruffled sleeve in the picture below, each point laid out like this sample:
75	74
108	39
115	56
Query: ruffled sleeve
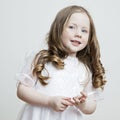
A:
25	75
93	93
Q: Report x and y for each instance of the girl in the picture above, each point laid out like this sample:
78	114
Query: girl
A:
64	81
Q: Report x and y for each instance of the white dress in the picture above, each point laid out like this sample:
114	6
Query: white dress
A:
67	82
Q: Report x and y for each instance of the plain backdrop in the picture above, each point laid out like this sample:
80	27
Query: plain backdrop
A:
23	26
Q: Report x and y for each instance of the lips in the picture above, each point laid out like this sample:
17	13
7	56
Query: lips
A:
75	42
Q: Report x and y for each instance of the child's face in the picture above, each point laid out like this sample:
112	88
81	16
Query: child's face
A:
76	32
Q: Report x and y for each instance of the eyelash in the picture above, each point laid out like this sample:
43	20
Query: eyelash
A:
84	31
73	27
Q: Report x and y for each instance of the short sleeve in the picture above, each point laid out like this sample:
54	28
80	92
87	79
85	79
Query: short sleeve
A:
92	93
25	75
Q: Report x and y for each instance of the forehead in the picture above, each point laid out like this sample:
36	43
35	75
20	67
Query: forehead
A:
79	18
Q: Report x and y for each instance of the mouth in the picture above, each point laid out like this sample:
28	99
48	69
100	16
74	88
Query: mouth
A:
75	42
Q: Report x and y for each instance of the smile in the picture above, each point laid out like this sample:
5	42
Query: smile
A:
75	42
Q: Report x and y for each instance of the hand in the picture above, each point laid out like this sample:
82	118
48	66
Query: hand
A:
80	98
59	103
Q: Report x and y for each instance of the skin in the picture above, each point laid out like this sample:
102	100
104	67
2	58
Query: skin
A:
74	37
75	33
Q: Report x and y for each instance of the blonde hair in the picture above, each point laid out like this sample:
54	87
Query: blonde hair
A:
56	52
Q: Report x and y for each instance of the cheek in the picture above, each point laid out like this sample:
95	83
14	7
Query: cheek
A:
64	37
86	39
66	34
85	42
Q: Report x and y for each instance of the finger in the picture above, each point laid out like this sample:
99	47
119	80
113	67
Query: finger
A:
83	94
66	98
71	101
82	100
67	102
61	110
63	107
76	99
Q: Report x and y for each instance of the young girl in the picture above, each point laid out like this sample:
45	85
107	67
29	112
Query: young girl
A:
64	81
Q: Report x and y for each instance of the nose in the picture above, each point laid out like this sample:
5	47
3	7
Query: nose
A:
78	33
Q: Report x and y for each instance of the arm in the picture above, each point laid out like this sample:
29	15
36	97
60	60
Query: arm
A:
31	96
86	106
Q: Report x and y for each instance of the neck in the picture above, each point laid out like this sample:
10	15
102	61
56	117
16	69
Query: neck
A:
72	54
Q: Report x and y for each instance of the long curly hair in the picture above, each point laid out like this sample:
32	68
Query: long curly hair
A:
56	51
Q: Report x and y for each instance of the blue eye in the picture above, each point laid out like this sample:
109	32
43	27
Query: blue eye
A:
85	31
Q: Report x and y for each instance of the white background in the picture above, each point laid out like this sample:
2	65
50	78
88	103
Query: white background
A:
23	25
